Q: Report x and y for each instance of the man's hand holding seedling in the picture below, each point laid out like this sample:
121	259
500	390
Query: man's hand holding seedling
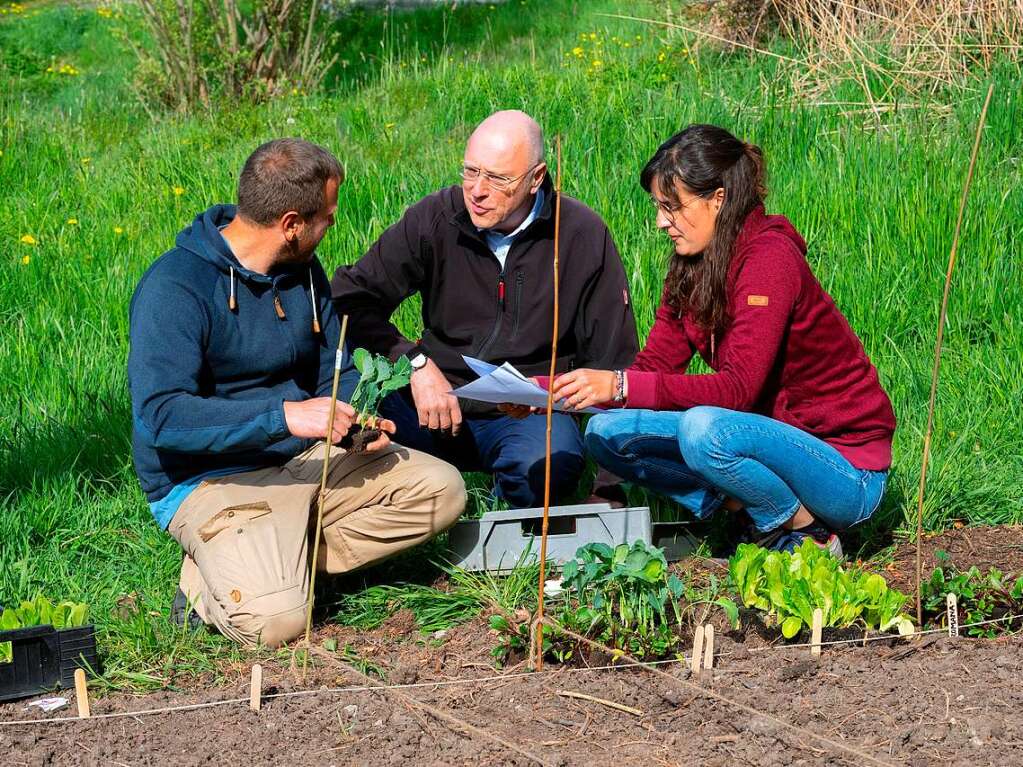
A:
436	405
309	419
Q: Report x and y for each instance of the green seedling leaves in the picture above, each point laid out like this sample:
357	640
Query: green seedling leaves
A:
790	586
377	378
41	612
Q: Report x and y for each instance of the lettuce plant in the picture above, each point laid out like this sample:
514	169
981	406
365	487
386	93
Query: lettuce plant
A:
40	612
790	586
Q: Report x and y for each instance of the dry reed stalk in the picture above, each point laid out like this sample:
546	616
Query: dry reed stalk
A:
338	356
538	649
942	313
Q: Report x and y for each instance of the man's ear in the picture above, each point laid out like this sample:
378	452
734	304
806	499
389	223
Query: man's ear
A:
290	224
538	175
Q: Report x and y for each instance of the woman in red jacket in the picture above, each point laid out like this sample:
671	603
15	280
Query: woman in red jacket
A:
792	425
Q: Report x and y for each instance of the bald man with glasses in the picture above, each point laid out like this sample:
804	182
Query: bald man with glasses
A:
480	255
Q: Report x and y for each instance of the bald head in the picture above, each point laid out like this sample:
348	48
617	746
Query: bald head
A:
512	133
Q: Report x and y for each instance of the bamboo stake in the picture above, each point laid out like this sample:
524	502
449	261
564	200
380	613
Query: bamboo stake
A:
256	687
937	359
538	649
338	356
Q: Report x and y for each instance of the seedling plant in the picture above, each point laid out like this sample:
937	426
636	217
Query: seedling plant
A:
790	586
378	377
40	612
980	597
623	597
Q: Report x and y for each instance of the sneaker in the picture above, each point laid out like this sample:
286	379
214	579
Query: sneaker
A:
790	540
181	612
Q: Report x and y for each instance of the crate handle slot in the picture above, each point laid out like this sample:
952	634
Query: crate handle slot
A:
532	528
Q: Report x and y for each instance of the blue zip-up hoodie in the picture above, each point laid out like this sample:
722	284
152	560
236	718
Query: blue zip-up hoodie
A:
209	375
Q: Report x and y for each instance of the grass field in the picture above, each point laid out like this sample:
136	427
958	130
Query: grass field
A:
93	188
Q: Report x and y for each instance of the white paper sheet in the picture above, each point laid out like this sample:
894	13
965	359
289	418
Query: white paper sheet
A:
504	384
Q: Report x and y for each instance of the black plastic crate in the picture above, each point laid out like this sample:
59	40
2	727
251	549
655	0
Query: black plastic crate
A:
45	658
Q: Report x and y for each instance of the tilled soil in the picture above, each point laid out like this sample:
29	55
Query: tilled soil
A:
926	701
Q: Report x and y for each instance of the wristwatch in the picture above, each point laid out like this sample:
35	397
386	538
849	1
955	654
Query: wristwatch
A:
419	361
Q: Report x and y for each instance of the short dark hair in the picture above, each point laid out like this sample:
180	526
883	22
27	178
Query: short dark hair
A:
285	174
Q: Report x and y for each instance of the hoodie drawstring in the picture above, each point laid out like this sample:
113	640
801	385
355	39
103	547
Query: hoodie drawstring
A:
312	297
232	301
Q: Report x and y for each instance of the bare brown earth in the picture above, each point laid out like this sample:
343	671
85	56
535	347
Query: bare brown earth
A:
921	702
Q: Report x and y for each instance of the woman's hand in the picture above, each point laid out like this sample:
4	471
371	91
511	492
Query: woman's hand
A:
585	388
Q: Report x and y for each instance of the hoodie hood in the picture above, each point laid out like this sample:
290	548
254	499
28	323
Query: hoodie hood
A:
203	238
758	223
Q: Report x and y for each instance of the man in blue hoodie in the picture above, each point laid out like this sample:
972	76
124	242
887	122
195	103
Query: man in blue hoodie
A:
233	339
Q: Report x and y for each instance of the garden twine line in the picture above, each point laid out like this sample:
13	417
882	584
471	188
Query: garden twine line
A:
478	680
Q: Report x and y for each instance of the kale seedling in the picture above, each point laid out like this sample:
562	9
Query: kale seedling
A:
377	378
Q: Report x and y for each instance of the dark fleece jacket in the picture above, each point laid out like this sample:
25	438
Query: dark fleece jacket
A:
208	384
787	352
471	306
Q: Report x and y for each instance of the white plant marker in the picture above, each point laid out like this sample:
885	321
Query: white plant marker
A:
708	647
815	633
256	688
697	648
82	694
952	611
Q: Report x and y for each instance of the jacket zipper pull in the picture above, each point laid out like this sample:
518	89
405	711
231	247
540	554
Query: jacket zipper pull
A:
500	293
278	306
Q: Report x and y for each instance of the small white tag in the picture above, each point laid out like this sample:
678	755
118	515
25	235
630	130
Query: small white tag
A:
338	356
48	704
952	610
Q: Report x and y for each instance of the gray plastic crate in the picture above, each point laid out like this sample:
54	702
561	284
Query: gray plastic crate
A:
500	539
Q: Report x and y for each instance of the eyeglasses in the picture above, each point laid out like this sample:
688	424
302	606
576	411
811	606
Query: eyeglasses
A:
668	209
498	183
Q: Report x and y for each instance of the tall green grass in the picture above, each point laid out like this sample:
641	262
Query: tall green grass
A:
876	201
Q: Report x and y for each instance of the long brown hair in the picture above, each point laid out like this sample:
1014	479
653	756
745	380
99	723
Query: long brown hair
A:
705	158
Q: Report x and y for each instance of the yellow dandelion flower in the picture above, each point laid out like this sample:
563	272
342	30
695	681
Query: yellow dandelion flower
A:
661	56
72	222
28	239
596	63
106	13
578	52
25	260
178	190
86	160
593	35
118	230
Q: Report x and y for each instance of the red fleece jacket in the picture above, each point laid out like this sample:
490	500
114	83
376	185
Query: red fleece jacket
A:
787	352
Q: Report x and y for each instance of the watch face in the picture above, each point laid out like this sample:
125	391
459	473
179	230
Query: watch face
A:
418	361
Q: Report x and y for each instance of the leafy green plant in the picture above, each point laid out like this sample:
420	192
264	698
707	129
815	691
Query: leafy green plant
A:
790	586
980	597
40	612
377	378
623	597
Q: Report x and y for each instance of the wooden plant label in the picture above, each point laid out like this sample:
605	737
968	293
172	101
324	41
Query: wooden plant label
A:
256	688
697	649
708	647
815	633
82	694
952	611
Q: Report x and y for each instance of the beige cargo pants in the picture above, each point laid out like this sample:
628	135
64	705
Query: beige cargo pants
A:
247	536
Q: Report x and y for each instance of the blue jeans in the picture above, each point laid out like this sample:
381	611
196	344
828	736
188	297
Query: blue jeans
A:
512	449
700	456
